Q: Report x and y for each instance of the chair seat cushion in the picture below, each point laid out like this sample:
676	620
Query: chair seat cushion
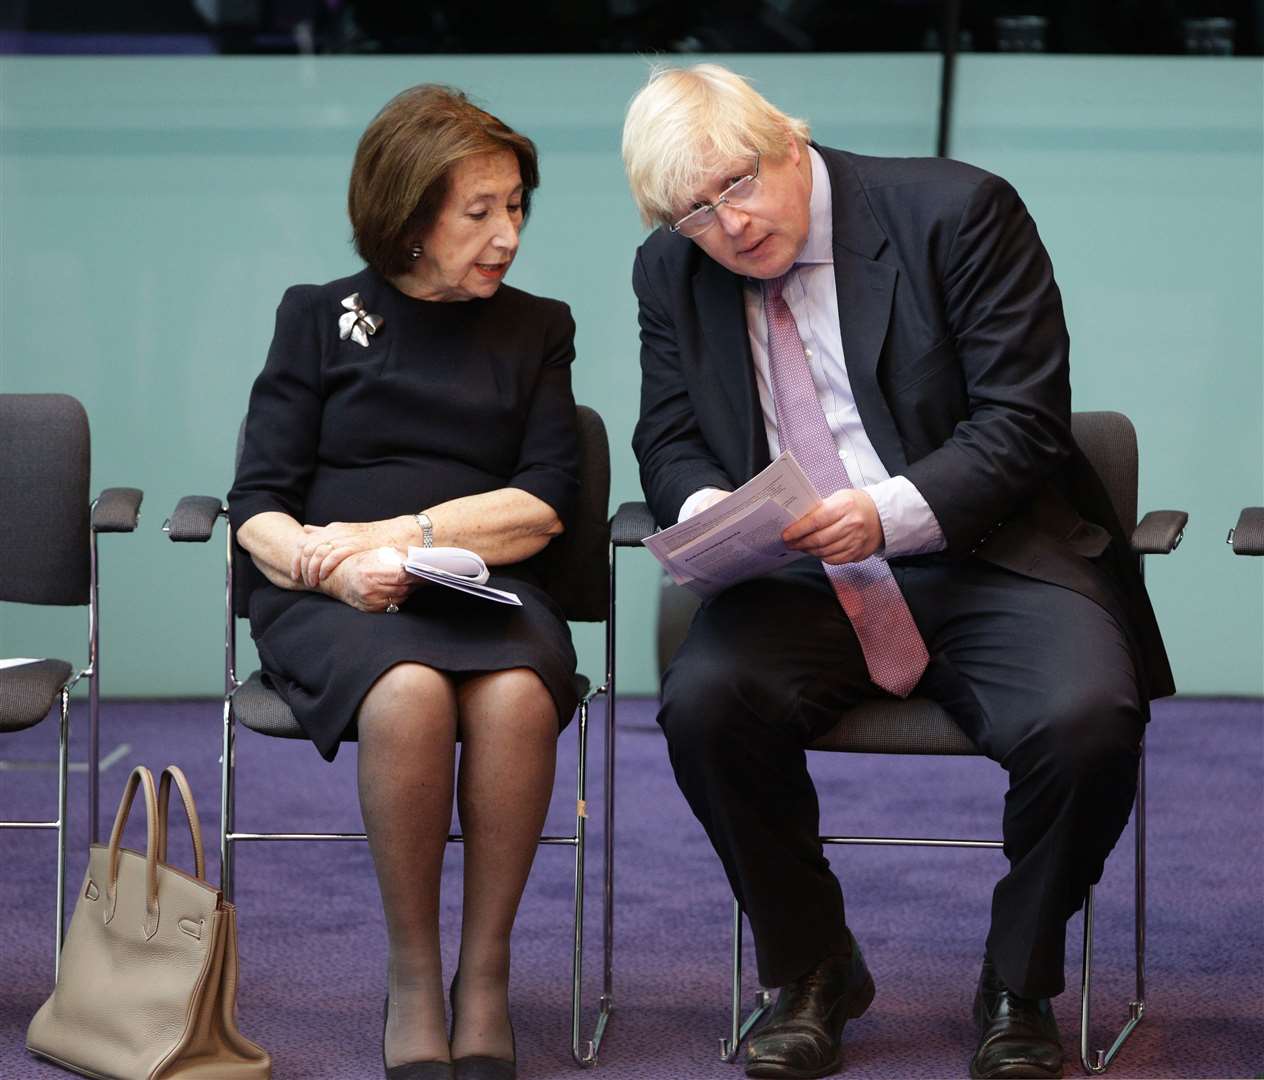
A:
915	726
262	709
28	691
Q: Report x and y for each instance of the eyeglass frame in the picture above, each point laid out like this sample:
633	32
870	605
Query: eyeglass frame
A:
723	199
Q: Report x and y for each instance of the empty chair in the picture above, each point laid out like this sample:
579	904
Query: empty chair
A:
48	556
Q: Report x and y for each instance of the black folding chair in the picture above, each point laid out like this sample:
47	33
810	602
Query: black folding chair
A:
48	555
920	726
576	577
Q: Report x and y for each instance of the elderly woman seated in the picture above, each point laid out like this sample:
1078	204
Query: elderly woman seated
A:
423	402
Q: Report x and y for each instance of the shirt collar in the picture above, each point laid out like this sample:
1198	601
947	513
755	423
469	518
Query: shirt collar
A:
819	247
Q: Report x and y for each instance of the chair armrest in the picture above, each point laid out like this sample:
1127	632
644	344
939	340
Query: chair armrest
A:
117	510
1247	536
631	524
193	519
1159	532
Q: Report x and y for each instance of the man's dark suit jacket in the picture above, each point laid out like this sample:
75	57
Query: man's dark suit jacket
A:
956	348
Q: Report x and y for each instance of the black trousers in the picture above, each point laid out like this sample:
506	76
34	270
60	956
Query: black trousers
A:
1039	677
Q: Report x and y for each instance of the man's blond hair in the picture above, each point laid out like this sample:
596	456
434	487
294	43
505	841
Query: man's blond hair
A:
687	122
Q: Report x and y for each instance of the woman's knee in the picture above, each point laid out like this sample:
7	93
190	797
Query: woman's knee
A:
408	699
513	699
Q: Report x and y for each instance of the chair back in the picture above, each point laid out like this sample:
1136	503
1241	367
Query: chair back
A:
1109	441
575	566
246	576
45	461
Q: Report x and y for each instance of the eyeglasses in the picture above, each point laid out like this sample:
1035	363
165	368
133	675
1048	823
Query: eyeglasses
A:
738	193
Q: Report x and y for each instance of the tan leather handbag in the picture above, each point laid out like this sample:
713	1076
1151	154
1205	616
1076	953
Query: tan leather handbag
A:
148	984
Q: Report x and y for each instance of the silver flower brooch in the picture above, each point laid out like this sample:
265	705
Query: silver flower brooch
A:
356	323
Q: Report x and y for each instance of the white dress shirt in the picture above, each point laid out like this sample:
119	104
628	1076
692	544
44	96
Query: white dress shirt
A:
909	525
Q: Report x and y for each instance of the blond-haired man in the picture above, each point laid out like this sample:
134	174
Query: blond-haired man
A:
895	323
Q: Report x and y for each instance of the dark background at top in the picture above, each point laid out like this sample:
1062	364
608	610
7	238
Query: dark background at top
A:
279	27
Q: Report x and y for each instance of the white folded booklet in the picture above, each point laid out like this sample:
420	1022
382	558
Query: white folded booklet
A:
457	568
738	537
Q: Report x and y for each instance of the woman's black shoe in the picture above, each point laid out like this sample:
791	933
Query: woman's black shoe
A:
412	1070
481	1066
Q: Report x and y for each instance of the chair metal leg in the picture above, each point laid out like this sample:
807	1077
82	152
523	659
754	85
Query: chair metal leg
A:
586	1055
740	1028
94	761
1098	1061
585	1051
227	781
607	855
607	1000
63	763
94	698
608	781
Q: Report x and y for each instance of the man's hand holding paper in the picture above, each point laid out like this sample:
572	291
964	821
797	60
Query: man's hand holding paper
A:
732	536
842	528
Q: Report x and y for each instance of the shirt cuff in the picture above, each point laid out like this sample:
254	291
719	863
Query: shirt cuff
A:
696	501
908	523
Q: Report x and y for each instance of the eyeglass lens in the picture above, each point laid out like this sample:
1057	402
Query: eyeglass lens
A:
702	218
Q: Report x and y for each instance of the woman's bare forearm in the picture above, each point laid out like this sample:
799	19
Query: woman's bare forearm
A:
271	538
504	526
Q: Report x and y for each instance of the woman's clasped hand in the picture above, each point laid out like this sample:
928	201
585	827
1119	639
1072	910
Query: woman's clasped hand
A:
322	548
372	580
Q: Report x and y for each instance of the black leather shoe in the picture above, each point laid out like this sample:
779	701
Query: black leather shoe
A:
412	1070
803	1036
1018	1036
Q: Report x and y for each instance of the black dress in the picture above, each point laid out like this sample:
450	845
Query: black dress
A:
448	399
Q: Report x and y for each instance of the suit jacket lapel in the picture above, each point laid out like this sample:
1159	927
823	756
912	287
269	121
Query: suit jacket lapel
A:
724	349
866	290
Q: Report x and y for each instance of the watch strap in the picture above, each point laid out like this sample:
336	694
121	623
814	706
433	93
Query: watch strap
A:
427	529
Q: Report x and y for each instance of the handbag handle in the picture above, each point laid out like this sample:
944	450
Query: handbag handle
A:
143	778
173	773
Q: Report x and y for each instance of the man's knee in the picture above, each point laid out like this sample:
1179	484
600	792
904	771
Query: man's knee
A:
1084	732
699	696
752	657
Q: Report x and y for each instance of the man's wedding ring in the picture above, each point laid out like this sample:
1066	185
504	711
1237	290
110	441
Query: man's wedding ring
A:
391	608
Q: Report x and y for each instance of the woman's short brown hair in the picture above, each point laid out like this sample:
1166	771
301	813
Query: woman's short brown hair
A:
404	162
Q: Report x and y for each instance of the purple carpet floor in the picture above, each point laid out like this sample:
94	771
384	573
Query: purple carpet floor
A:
312	940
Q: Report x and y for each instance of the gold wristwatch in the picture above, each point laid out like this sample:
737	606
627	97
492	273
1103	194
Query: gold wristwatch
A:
427	529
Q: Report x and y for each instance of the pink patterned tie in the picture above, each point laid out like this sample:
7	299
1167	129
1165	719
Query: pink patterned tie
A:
894	651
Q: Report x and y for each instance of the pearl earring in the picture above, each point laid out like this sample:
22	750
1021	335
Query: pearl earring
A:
414	252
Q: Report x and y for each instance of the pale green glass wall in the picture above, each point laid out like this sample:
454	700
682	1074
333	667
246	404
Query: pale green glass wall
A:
154	210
